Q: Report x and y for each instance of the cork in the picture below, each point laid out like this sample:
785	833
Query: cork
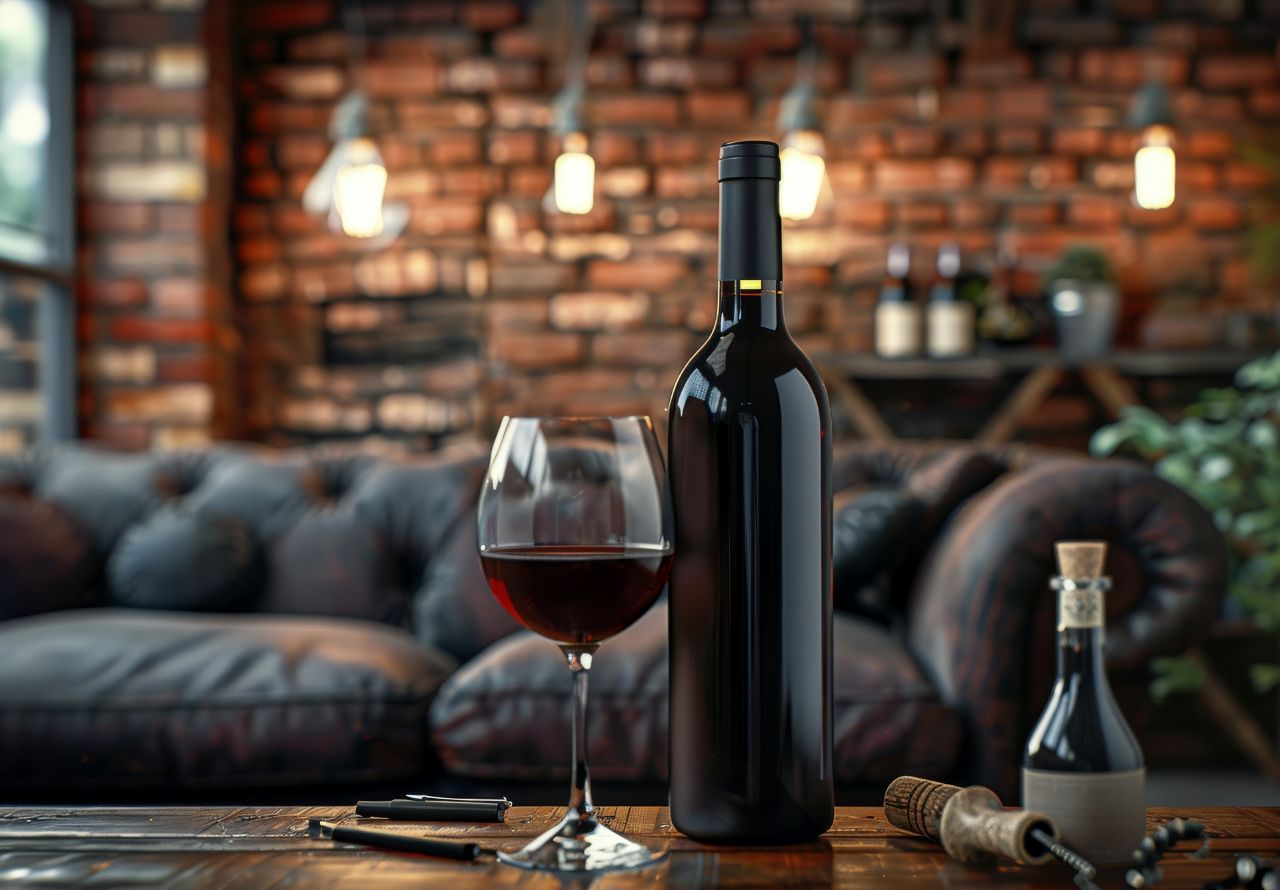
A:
1081	559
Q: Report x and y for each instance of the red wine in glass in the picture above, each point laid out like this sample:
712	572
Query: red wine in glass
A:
576	593
575	531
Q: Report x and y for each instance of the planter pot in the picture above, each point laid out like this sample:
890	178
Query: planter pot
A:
1084	315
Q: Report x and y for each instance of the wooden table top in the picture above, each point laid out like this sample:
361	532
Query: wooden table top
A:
204	847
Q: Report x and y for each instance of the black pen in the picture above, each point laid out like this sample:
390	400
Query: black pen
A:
433	810
404	843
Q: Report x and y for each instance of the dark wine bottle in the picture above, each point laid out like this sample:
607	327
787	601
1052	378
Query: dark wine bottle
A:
1082	765
949	323
750	590
897	318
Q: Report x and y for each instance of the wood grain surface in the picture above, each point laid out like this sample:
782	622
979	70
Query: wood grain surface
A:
215	847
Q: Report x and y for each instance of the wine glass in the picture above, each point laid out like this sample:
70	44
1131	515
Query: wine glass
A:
575	536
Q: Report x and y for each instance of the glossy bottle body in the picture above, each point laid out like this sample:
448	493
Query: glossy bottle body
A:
750	462
1082	765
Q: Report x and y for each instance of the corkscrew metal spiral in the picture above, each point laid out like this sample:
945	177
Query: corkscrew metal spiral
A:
1084	869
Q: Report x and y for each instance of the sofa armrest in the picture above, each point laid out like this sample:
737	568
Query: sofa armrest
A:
982	618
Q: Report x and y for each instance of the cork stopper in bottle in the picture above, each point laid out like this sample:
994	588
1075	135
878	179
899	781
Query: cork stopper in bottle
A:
1081	559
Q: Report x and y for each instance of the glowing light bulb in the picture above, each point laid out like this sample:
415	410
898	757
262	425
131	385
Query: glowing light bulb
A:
575	176
1155	169
358	188
803	172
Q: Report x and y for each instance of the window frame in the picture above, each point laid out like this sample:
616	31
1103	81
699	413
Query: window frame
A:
56	308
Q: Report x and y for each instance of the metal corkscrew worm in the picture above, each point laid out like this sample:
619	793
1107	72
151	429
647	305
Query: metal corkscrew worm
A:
1084	869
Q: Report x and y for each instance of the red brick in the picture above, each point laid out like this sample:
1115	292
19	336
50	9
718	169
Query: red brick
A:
1078	140
305	81
453	149
400	77
884	73
1199	143
686	182
742	38
649	273
973	213
609	72
599	310
970	142
179	297
1018	140
918	215
1236	70
1041	173
687	73
280	117
488	15
179	218
288	15
1214	214
773	74
906	176
675	9
1079	30
719	107
1163	218
662	349
160	330
963	105
915	142
114	293
483	75
1032	102
525	350
1197	176
1034	213
1265	102
1244	176
150	254
1095	211
994	69
635	109
104	218
197	368
870	214
1129	68
139	100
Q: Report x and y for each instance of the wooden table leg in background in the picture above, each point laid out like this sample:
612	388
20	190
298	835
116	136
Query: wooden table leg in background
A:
1025	400
862	413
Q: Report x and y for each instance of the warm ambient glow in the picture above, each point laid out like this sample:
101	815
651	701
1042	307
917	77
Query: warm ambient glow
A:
803	172
357	198
1154	169
575	176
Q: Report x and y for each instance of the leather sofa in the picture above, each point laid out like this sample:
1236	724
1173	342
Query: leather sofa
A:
243	618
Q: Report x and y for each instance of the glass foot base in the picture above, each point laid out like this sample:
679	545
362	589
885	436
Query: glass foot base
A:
581	844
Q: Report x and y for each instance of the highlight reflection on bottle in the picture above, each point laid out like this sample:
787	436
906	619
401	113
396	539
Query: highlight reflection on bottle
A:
750	459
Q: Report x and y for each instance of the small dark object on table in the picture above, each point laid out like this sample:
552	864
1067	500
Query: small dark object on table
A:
386	840
1146	872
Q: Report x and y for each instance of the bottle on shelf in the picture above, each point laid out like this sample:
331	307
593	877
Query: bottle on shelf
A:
897	318
1082	765
749	451
949	320
1004	320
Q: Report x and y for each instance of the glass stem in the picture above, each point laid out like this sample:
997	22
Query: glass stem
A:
580	788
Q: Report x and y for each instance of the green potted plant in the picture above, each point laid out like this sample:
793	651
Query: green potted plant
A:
1084	302
1225	452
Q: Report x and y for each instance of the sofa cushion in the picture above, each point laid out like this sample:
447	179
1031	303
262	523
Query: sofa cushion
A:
47	559
133	699
184	560
871	533
507	713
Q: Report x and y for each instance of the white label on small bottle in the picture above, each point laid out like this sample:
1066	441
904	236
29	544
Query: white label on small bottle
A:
897	330
950	329
1081	607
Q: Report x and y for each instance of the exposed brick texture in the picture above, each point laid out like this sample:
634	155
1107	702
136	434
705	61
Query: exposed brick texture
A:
488	304
155	327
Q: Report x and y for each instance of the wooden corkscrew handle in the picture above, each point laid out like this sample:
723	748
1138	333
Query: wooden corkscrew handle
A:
970	823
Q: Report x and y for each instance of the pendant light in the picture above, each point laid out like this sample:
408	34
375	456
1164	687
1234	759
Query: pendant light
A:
573	187
803	146
1154	161
349	187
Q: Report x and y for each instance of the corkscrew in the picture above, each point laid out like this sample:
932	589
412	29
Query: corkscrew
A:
972	825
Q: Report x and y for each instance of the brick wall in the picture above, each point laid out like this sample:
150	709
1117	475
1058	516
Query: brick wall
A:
155	328
937	129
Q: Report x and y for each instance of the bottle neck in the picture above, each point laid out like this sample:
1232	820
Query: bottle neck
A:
751	304
1081	654
750	230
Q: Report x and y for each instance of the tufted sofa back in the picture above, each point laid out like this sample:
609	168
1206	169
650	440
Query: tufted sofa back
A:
361	537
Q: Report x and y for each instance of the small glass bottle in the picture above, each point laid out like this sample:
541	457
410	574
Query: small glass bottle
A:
1082	765
897	314
949	321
